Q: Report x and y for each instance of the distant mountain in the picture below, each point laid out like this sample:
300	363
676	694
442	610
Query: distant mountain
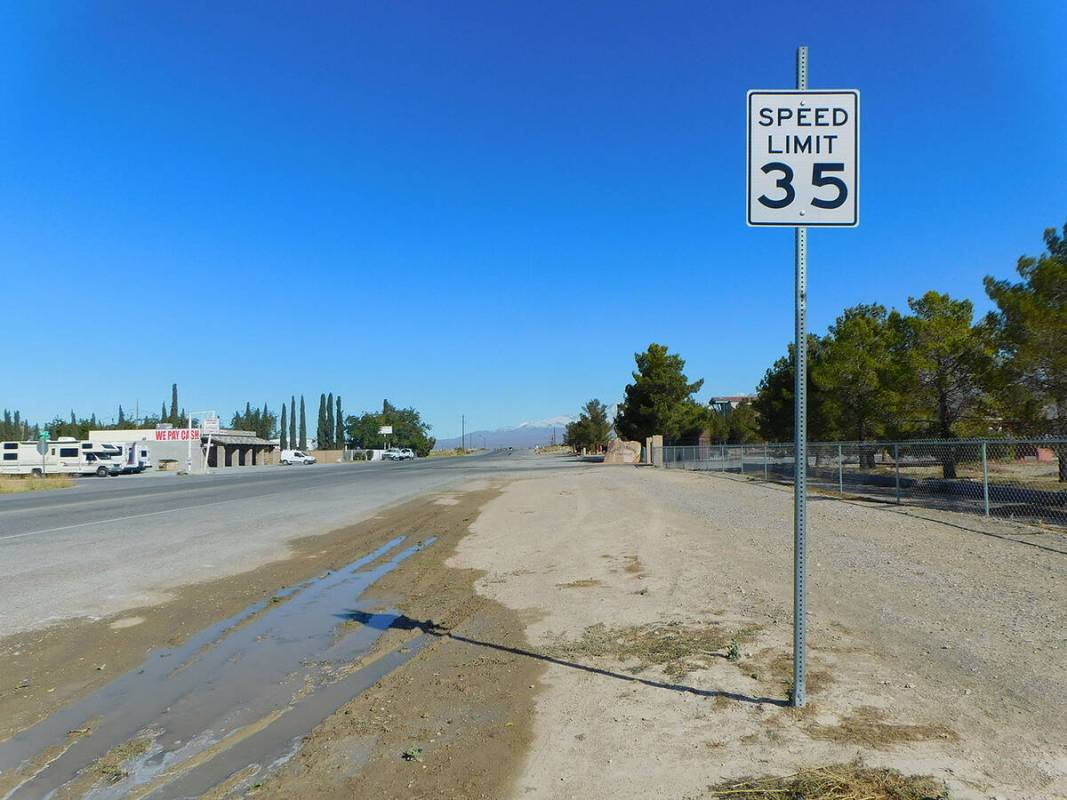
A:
526	434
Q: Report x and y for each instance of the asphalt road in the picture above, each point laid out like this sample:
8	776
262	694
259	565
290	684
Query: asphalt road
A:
115	543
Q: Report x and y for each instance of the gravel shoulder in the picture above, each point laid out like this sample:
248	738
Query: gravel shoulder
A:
938	646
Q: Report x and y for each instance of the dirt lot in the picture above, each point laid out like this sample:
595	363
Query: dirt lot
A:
617	632
936	647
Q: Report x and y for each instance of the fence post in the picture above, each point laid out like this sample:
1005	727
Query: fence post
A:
742	459
985	479
840	471
722	458
896	463
765	476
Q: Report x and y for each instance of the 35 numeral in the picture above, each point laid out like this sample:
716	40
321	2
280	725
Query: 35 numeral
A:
819	178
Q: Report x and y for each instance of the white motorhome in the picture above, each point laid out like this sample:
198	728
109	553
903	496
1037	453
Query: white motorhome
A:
65	456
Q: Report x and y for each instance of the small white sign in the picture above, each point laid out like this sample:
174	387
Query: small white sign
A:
211	425
803	158
385	430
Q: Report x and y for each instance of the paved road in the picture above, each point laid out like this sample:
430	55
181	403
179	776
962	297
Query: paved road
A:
116	543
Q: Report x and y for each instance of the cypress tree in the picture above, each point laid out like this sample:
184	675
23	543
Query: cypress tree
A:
303	426
283	431
122	417
329	421
320	429
292	422
73	419
174	418
339	421
163	413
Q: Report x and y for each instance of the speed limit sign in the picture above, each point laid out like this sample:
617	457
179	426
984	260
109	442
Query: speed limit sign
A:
803	158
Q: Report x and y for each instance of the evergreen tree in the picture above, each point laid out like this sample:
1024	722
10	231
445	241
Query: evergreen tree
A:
174	418
320	429
122	417
660	401
163	413
330	443
73	419
774	404
284	430
591	430
855	374
303	426
1031	329
339	427
292	422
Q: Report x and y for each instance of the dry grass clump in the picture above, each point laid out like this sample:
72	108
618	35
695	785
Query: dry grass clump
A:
867	726
836	782
455	451
14	484
112	766
676	648
581	583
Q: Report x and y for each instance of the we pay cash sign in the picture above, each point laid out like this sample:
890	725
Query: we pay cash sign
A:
803	158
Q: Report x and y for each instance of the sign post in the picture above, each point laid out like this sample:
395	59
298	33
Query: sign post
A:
385	431
803	170
42	448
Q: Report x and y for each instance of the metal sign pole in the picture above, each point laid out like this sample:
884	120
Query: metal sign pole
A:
800	454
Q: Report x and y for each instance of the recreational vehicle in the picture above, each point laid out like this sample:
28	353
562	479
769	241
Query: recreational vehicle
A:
65	456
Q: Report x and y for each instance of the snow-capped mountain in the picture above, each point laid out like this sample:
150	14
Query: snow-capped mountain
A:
526	434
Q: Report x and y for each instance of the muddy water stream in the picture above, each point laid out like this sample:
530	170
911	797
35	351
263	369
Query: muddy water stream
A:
236	697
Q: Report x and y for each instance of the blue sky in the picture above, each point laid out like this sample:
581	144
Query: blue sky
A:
481	207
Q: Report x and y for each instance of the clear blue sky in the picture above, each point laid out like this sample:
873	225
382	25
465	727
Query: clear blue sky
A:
481	207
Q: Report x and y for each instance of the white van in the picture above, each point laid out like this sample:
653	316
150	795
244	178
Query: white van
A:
296	457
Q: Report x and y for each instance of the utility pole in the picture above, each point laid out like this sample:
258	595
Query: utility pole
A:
463	433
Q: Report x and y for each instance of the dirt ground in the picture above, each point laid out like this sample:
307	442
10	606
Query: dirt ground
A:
664	598
622	632
462	710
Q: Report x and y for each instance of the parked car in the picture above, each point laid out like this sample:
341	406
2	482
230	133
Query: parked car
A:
296	457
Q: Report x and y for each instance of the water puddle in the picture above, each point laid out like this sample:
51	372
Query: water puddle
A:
236	698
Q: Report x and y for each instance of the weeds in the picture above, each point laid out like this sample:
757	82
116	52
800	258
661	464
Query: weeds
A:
15	484
112	766
734	653
676	648
837	782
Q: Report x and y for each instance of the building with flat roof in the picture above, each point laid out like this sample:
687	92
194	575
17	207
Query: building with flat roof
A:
171	446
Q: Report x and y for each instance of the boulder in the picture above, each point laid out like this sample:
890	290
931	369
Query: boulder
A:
623	452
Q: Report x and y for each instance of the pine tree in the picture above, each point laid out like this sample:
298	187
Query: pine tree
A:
73	419
174	419
303	426
284	431
329	422
292	421
339	422
320	430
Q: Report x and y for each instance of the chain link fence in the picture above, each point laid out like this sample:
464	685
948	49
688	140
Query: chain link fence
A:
1024	480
